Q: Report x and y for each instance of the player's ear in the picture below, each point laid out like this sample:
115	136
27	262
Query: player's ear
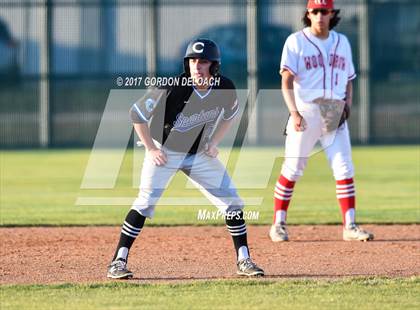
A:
214	68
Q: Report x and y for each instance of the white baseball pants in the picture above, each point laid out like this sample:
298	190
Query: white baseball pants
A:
207	173
299	145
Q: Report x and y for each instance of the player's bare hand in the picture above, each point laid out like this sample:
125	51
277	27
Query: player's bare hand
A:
211	150
298	121
158	157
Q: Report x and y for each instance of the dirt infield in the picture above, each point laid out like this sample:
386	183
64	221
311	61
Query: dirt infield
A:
81	254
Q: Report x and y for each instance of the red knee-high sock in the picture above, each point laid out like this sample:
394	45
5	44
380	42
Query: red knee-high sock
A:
282	194
346	196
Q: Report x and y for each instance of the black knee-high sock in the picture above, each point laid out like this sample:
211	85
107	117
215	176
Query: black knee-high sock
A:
237	228
131	228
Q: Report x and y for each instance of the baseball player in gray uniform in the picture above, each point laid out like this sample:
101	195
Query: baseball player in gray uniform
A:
181	127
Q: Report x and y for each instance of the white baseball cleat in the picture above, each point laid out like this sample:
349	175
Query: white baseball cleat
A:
278	233
354	233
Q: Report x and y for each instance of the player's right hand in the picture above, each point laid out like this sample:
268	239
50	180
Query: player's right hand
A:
211	150
158	157
299	122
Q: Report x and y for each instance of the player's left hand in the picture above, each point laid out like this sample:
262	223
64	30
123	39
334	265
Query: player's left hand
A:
211	150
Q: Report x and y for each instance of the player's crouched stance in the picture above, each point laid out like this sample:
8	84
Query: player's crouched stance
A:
186	125
317	72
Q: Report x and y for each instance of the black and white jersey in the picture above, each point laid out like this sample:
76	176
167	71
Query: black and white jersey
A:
183	118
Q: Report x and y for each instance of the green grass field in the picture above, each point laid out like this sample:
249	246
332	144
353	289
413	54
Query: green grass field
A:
41	188
357	293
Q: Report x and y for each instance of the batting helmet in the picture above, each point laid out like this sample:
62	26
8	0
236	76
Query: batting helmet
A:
203	49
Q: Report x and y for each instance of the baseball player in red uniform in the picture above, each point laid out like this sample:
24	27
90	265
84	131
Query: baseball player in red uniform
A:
187	122
317	72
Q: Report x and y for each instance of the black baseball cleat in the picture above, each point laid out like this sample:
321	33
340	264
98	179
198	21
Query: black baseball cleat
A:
118	270
247	267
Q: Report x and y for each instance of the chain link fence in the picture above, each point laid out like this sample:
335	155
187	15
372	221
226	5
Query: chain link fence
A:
59	59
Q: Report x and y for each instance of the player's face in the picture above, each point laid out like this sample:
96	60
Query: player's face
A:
199	68
320	19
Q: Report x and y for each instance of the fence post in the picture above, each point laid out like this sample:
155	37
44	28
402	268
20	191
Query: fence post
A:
151	38
45	66
252	50
364	80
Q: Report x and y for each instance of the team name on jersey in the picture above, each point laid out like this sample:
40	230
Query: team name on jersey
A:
184	123
315	61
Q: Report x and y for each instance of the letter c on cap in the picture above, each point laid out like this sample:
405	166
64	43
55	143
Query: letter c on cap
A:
198	50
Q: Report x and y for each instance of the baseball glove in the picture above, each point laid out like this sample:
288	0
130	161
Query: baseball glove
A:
333	113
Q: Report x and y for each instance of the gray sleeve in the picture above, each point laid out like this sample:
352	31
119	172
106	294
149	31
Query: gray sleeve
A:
231	103
142	110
